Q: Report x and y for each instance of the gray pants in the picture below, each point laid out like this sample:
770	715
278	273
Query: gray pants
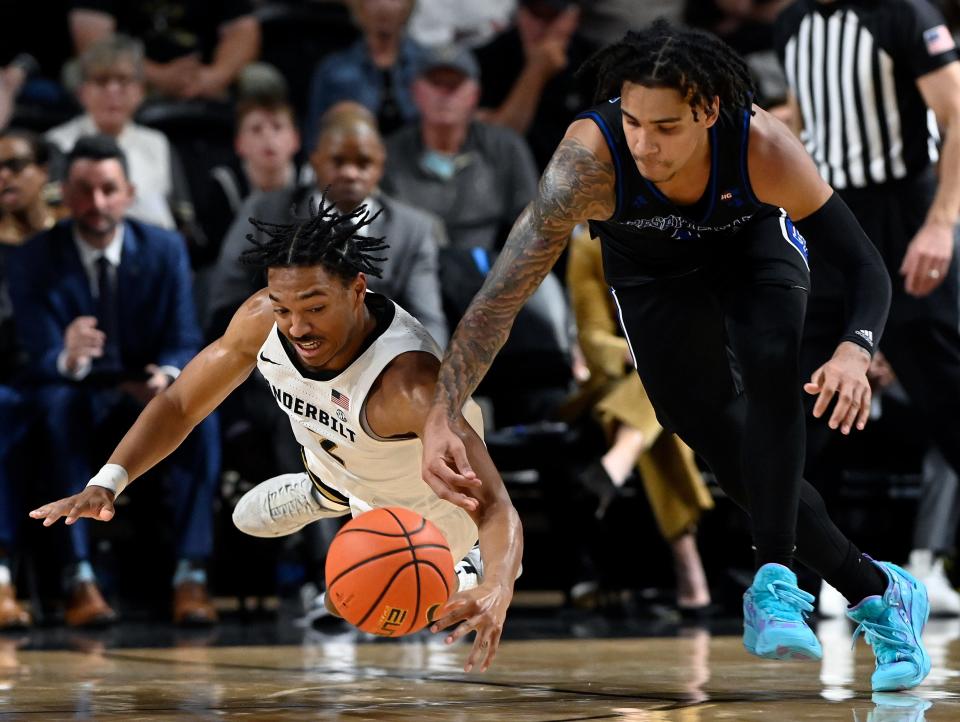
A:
939	509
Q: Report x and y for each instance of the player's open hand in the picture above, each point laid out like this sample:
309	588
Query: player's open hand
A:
94	502
445	466
843	377
483	610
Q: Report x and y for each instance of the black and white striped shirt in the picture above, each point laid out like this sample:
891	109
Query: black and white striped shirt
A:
852	66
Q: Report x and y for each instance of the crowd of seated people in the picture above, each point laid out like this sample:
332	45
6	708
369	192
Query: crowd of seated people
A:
119	245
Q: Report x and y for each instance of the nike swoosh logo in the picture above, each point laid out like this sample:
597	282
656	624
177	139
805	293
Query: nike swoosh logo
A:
264	358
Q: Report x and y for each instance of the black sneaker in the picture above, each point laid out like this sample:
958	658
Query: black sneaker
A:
598	484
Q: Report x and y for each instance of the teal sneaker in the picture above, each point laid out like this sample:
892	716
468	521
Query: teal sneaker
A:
774	611
892	625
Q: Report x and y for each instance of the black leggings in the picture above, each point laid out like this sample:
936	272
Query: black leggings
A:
750	430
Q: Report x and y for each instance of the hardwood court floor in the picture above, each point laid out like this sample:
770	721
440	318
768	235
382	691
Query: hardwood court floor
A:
689	676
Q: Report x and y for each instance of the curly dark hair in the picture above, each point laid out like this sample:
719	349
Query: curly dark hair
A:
697	64
327	238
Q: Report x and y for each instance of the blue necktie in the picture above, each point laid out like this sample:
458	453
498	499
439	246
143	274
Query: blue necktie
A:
107	318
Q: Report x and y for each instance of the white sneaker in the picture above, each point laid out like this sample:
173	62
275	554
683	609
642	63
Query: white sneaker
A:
282	505
944	600
831	602
920	563
317	612
470	570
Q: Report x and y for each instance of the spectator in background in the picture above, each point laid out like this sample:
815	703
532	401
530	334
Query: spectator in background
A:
13	416
13	413
193	49
604	22
265	143
477	177
376	71
13	75
110	92
528	74
36	44
24	210
466	22
348	161
25	203
745	25
104	310
615	395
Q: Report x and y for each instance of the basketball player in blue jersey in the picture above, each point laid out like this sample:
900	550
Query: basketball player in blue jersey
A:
355	373
701	203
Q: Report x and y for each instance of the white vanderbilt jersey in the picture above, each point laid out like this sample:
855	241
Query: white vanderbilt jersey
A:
328	419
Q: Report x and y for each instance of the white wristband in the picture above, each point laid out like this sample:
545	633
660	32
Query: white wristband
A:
111	476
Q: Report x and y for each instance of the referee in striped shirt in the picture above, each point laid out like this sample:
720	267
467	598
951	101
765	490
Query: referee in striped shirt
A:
872	84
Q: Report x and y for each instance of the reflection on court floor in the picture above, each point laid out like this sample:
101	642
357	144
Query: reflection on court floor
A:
687	676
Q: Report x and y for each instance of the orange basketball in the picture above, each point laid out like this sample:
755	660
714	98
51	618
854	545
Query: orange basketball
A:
388	570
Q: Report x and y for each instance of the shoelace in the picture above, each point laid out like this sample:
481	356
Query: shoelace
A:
883	639
789	601
291	501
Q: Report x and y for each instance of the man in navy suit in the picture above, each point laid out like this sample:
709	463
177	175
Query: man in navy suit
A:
104	308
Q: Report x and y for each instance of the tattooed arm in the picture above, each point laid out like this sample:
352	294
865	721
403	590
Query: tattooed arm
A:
577	185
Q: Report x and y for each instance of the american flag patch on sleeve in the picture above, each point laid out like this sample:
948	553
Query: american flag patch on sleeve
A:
341	400
938	40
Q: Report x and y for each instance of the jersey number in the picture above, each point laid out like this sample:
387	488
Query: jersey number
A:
330	447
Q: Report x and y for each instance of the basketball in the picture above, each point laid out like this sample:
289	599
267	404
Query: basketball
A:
388	570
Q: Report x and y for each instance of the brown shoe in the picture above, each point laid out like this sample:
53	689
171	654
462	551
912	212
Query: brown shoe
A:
12	615
192	606
87	608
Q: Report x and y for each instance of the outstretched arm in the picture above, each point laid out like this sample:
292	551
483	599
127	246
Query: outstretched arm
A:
171	416
577	185
88	27
484	609
239	44
545	51
398	406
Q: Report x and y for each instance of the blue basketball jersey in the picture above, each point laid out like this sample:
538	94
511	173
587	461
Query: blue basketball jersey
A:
648	235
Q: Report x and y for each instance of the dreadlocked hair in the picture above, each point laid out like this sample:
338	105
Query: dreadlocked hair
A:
327	238
697	64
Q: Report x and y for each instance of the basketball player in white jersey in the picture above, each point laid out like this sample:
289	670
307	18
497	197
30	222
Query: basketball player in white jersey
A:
356	374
